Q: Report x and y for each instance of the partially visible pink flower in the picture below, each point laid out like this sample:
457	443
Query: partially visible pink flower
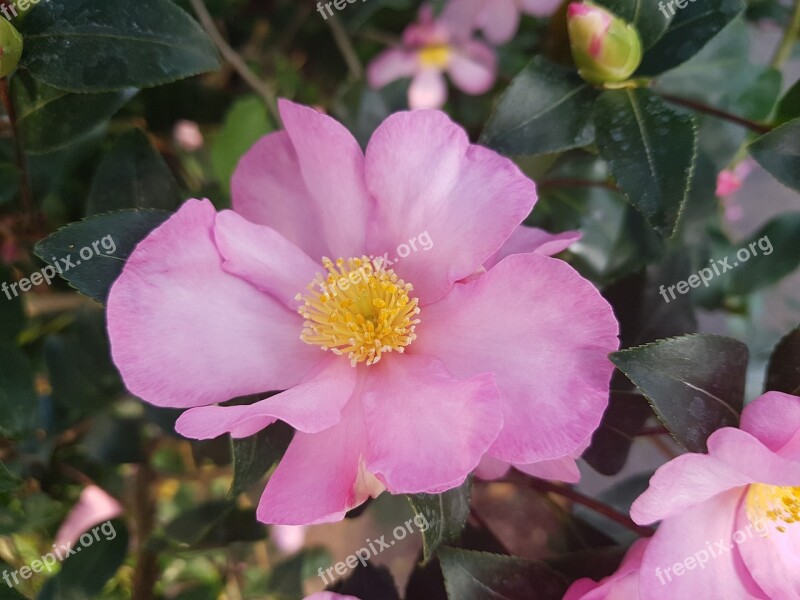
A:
431	48
288	538
329	596
188	136
407	376
730	180
498	20
623	584
94	506
730	518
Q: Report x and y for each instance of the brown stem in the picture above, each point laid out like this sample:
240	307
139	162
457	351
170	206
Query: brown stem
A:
720	114
146	574
654	430
547	487
32	217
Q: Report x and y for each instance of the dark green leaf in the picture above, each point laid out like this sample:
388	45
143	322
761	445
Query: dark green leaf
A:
768	256
50	118
132	175
215	524
650	150
789	105
120	232
105	45
84	574
9	182
445	514
287	577
691	29
779	153
255	455
645	15
695	383
483	576
8	481
12	317
783	373
545	109
7	592
18	400
368	583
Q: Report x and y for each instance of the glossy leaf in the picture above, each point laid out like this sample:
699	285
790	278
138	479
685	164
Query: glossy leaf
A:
255	455
649	20
18	399
695	383
368	583
789	105
214	524
783	372
650	150
445	514
779	153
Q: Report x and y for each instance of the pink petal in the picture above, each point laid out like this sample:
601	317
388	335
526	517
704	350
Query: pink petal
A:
428	89
499	21
263	257
545	332
312	406
622	584
460	17
288	538
321	476
540	8
728	183
688	535
559	469
427	431
531	239
329	596
94	506
473	68
307	183
391	65
749	456
772	557
426	177
186	333
491	468
773	418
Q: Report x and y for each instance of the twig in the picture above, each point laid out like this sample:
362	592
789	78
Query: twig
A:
146	573
720	114
790	35
236	61
32	216
345	47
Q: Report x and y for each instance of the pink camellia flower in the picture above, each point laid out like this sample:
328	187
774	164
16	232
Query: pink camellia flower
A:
623	584
731	518
397	377
430	48
94	506
498	20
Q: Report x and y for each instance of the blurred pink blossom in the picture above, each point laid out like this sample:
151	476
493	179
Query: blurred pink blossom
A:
188	136
329	596
94	506
498	20
730	180
288	538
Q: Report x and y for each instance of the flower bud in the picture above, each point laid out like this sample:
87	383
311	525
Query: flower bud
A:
605	48
10	47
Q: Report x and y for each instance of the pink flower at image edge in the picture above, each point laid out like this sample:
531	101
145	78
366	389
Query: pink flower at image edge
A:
94	506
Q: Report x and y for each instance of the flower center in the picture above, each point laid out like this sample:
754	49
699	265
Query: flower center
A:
773	502
436	55
360	309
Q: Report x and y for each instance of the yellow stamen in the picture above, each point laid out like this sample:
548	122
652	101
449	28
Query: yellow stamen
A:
780	504
359	309
437	55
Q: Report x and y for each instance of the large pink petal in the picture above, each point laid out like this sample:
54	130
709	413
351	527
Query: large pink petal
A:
426	177
307	183
773	418
185	333
545	332
473	68
623	584
499	21
391	65
772	556
94	506
321	476
312	406
531	239
749	456
263	257
692	535
428	89
426	430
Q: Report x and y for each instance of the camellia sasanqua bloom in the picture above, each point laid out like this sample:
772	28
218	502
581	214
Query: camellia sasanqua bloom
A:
398	377
497	20
430	48
623	584
730	519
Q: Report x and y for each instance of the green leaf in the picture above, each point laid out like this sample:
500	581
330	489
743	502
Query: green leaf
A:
84	574
8	481
650	150
645	15
105	45
545	109
445	514
9	182
783	372
789	105
482	576
695	383
133	175
771	255
779	153
255	455
368	583
51	118
246	122
120	232
691	29
215	524
18	400
287	577
12	317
